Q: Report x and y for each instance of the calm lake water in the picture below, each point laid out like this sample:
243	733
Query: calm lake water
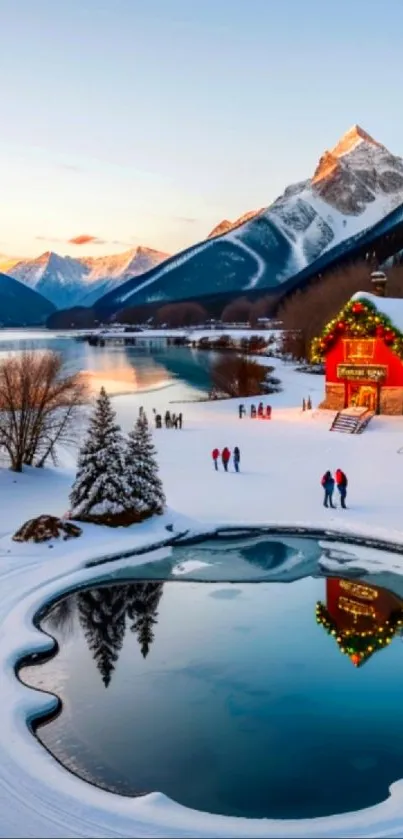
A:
122	369
247	699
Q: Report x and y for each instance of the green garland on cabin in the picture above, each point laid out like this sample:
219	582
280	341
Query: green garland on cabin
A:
359	645
358	319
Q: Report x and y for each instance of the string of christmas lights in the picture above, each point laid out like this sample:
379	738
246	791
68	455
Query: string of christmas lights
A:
359	645
357	320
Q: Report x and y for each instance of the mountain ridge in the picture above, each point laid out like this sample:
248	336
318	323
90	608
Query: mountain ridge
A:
353	187
67	281
21	305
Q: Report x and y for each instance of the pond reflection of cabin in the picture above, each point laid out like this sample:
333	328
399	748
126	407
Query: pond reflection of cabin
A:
361	617
363	353
140	340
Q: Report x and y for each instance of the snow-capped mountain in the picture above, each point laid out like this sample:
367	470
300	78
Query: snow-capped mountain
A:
59	278
69	282
354	187
226	226
105	272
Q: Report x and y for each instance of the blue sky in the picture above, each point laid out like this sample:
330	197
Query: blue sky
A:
149	122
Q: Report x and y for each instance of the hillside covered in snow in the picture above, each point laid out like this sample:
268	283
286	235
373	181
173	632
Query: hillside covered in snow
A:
66	281
354	187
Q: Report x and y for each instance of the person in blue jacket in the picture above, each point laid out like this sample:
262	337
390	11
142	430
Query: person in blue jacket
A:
328	486
237	458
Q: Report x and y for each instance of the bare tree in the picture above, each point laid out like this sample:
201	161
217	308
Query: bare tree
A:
305	313
38	407
237	375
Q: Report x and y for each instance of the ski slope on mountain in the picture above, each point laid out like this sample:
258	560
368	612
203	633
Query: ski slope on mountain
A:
355	185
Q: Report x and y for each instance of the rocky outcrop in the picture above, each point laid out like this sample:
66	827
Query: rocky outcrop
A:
46	527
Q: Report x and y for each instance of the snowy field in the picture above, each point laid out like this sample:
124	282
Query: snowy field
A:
282	462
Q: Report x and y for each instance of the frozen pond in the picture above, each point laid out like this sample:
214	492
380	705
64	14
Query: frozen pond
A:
276	695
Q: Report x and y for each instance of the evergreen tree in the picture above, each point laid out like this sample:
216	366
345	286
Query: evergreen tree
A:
143	601
141	470
102	615
100	490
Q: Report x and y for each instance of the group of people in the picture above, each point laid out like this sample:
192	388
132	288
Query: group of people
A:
170	420
225	456
329	482
262	412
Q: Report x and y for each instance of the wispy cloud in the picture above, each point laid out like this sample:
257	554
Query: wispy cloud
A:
85	239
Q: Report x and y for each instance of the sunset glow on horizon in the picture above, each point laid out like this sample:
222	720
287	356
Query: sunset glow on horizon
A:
132	123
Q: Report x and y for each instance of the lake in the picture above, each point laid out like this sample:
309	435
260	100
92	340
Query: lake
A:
258	698
180	373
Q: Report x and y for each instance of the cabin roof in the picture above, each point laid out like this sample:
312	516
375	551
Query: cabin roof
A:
390	307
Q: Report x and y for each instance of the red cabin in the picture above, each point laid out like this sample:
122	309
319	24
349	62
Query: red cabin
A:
363	353
362	618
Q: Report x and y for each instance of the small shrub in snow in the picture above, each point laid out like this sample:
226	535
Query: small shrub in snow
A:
141	469
100	492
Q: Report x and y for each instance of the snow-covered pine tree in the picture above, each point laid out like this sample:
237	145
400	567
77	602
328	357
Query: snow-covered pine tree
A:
100	491
102	615
141	471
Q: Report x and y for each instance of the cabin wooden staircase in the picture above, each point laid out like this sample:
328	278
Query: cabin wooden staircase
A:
352	420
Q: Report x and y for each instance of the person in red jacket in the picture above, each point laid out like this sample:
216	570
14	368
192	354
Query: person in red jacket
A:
341	483
215	454
225	456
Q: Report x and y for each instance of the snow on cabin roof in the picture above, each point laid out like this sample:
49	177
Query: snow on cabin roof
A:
391	307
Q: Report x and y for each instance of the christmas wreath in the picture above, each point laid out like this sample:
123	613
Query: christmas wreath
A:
358	319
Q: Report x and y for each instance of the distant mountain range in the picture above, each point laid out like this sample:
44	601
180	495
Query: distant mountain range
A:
353	201
20	305
69	282
355	186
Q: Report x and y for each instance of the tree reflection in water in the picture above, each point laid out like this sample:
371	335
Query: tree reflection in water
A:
103	615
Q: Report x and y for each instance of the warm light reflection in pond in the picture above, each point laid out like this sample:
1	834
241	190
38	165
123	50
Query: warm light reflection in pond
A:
118	376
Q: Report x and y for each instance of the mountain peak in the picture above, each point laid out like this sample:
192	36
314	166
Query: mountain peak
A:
328	164
352	138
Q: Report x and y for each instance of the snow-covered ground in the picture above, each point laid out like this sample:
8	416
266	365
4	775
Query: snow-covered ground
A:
282	461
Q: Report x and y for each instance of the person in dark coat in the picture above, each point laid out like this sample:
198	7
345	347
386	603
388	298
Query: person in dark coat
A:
253	411
225	456
167	419
180	420
241	410
237	458
328	486
260	409
215	454
341	483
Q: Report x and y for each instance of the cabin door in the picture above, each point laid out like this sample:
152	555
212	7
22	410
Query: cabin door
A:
363	396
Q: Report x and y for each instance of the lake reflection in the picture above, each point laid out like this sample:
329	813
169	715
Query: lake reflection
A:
236	699
117	368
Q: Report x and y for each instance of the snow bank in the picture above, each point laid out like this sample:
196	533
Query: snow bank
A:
37	791
282	461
